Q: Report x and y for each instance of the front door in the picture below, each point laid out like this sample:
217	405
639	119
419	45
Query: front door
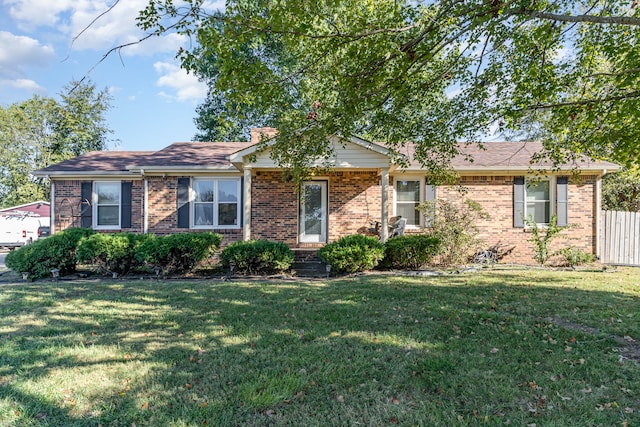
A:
313	212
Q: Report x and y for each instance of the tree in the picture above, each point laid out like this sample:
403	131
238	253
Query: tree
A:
41	131
621	191
432	72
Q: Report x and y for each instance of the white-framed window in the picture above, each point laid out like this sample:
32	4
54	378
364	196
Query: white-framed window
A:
215	202
539	198
107	200
408	194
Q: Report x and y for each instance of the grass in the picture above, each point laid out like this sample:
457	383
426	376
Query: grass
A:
490	348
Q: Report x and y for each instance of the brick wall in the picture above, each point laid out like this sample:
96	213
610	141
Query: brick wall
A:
274	210
354	203
163	215
495	195
68	205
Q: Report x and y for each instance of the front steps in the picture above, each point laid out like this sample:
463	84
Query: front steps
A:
306	263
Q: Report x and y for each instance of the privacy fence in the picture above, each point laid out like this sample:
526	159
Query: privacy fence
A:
620	238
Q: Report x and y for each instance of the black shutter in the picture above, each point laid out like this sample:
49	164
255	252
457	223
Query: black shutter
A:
86	195
562	197
183	202
125	206
518	202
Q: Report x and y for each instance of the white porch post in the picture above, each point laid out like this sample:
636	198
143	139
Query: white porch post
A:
246	230
145	207
52	208
384	229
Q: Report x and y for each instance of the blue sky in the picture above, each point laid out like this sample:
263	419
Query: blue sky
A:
154	101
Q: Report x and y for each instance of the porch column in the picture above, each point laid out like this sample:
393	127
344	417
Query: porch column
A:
246	230
384	228
52	208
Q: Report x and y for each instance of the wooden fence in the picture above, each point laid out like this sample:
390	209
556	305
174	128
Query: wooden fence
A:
620	243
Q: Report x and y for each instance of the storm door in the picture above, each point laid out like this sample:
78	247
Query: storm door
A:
313	212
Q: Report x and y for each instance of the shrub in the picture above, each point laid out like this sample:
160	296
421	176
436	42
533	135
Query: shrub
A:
542	239
257	257
55	252
111	252
455	225
574	256
178	253
353	253
410	251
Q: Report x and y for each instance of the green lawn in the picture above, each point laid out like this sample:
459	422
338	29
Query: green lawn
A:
498	347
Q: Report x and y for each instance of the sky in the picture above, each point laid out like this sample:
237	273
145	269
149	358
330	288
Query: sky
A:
153	99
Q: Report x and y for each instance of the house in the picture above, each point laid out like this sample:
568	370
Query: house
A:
235	189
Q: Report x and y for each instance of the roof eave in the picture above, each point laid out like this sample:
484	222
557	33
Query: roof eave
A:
186	169
85	174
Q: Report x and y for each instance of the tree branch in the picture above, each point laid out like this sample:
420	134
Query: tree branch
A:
628	95
592	19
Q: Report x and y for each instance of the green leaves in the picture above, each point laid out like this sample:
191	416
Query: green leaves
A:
42	131
428	72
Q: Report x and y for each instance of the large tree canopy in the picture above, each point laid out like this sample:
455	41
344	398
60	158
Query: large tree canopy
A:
566	72
42	131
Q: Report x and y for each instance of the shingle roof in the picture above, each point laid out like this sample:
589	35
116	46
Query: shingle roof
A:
504	156
494	156
193	154
109	161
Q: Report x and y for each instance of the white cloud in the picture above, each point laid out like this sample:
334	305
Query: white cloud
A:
186	86
24	84
20	52
92	24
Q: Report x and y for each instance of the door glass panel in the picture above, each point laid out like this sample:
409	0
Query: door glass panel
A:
313	209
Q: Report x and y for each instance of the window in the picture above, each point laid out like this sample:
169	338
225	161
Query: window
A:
216	203
408	197
538	201
106	204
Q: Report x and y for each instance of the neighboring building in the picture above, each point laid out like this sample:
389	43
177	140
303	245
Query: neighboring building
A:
237	190
21	225
39	208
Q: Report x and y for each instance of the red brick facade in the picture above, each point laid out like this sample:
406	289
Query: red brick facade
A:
354	199
495	195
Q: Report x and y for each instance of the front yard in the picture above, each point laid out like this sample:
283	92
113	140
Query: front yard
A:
497	347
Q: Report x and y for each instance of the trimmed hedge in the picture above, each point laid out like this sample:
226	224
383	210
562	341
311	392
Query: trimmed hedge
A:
55	252
353	253
257	257
410	251
178	253
111	252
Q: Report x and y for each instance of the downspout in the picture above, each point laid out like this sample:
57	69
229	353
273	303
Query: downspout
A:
145	204
598	243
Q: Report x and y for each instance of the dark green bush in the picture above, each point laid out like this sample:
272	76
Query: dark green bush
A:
257	257
55	252
178	253
111	252
410	251
352	253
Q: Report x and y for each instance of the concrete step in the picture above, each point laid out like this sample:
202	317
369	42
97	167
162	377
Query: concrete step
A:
310	268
